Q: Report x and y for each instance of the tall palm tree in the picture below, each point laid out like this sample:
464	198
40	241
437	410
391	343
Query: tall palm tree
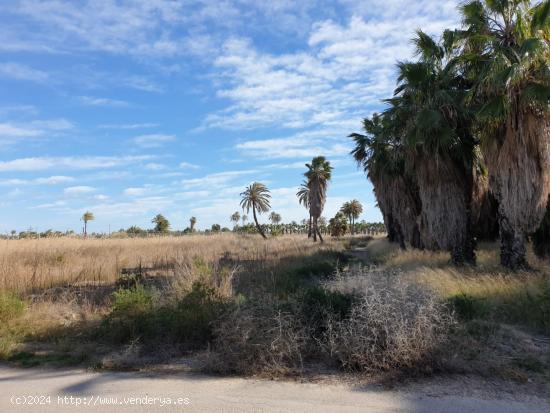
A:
352	209
505	50
303	199
256	197
88	216
235	218
436	130
318	176
192	223
381	154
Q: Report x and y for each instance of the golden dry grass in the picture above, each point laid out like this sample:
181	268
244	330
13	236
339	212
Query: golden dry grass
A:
43	263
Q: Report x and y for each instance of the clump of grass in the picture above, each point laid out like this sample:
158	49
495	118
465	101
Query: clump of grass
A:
468	307
138	315
393	325
259	338
190	319
11	306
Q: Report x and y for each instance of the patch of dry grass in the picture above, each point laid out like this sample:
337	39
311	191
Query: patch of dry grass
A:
34	264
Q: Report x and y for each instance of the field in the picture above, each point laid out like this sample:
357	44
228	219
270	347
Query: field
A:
233	303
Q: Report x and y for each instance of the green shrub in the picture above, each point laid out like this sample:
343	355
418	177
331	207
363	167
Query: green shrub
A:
190	320
468	307
132	314
11	306
319	303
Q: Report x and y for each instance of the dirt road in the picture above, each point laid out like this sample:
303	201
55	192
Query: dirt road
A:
36	390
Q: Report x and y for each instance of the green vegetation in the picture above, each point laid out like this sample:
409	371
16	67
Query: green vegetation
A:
11	306
162	225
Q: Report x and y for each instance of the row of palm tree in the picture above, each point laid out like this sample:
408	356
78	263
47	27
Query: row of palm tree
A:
352	210
463	149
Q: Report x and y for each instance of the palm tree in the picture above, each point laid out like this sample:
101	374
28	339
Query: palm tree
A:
352	209
256	197
162	225
192	223
505	50
381	154
88	216
429	104
235	218
318	176
303	199
275	218
244	218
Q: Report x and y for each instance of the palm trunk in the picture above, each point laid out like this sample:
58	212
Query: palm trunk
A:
309	228
512	247
318	232
85	229
257	224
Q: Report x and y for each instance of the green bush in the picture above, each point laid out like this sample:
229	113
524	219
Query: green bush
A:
11	306
132	314
468	307
187	321
319	302
190	320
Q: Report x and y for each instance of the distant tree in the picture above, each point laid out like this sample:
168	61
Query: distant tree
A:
161	223
235	218
192	223
303	199
352	209
244	218
216	227
318	176
88	216
256	197
338	225
135	230
275	218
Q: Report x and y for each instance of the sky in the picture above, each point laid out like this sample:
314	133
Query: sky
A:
133	108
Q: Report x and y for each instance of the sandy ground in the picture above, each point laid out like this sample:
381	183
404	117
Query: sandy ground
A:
41	390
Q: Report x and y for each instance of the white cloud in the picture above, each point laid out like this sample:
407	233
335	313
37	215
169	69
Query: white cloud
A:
134	191
95	101
216	180
69	162
187	165
10	130
128	126
153	166
19	71
153	140
78	190
50	180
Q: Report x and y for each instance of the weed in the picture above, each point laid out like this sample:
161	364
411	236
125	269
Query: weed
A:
11	306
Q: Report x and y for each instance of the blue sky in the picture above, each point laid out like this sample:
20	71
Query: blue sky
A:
133	108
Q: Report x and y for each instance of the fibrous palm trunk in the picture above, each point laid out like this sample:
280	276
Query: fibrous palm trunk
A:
256	222
445	192
400	205
520	178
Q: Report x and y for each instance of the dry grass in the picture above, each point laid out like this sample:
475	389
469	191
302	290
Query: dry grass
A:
516	297
36	264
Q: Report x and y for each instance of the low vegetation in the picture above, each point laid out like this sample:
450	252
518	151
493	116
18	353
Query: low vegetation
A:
278	308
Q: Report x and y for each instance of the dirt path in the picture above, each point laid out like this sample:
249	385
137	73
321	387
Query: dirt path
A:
112	392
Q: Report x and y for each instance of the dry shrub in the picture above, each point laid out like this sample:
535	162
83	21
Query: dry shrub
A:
259	338
393	325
